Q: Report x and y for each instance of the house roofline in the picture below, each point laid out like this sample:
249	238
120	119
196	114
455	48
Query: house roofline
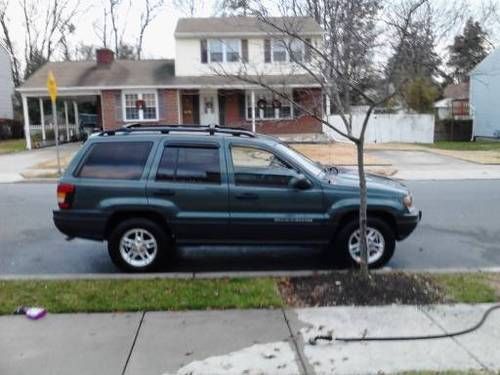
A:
61	90
188	35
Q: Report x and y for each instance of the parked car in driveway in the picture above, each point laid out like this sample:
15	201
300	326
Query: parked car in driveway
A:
146	189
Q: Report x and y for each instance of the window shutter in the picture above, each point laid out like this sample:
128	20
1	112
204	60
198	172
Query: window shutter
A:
267	50
307	50
118	107
204	51
241	103
244	50
161	105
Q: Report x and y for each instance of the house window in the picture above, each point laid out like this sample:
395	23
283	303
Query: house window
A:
279	51
224	50
216	49
140	106
269	106
287	51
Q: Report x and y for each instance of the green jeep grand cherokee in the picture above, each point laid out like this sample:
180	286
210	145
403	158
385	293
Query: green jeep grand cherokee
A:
146	189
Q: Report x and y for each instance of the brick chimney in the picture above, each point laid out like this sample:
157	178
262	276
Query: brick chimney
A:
104	56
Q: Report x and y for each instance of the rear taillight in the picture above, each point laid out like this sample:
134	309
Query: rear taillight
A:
65	194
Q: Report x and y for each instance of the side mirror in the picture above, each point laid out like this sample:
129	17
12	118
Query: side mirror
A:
300	182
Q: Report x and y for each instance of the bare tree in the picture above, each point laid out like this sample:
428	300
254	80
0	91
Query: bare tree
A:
327	75
188	7
113	9
9	45
43	39
150	11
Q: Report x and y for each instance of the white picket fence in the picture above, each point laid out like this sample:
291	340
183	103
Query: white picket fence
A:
386	128
64	131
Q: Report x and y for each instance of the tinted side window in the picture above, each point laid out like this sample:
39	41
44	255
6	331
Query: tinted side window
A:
256	167
116	160
189	164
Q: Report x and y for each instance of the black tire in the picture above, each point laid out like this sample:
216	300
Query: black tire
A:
340	254
162	240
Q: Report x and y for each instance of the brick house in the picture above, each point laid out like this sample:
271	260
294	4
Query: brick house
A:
191	88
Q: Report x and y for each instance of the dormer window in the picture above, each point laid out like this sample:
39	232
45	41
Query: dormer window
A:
220	50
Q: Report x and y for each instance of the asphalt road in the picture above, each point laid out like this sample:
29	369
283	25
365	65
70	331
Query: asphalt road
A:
460	229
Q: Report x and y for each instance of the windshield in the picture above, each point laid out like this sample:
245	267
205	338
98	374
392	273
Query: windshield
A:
302	160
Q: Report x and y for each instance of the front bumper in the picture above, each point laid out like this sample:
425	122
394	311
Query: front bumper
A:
80	224
406	224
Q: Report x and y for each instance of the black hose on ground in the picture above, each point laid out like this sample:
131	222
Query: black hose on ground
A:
313	340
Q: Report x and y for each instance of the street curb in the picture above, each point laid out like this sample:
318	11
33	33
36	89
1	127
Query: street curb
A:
231	274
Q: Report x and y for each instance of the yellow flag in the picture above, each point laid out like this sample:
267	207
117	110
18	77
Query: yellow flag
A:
52	87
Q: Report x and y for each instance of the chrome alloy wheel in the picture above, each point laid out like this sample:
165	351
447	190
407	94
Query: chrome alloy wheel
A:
375	242
138	247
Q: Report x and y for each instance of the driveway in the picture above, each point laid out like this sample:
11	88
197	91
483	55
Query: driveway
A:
424	165
12	166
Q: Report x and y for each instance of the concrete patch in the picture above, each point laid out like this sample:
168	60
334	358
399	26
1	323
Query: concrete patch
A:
66	344
374	357
426	165
187	337
483	343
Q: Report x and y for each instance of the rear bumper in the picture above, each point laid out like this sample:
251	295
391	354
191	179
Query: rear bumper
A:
80	224
407	223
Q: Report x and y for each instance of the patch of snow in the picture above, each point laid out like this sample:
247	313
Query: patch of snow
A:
276	358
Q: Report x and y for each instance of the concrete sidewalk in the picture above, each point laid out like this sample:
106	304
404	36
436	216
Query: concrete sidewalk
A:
13	166
248	342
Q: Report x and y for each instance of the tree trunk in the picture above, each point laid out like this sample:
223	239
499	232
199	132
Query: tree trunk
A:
362	209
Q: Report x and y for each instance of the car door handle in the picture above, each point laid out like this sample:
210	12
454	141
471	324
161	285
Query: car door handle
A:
163	193
247	196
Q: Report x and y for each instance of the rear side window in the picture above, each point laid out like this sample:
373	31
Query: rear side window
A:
116	160
190	164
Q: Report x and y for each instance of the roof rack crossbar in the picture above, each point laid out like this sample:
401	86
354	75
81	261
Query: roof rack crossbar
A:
166	129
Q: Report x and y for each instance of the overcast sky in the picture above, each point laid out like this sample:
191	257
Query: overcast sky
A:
159	39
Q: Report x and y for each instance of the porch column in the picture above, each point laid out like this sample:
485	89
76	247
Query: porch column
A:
77	116
42	118
253	110
66	119
327	106
26	116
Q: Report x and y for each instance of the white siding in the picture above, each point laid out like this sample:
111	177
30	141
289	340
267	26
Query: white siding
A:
188	60
6	86
485	97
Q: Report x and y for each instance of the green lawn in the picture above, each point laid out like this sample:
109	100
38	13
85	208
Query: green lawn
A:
467	146
12	145
469	288
117	295
139	295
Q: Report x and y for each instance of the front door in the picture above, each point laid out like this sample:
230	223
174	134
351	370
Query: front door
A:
264	207
189	186
190	110
209	107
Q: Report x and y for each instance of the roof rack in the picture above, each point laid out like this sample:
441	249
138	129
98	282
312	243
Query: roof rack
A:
166	129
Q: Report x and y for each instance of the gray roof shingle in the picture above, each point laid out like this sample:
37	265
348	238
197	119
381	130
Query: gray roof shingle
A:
189	27
81	75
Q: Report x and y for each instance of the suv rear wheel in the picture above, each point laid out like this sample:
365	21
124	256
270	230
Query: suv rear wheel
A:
380	239
137	245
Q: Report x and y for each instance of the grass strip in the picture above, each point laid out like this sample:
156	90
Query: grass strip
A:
469	287
68	296
467	146
12	145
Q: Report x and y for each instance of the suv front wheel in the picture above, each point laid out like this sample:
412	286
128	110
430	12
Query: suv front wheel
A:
380	238
137	245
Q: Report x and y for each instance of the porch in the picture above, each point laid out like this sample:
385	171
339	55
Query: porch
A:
254	109
39	126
